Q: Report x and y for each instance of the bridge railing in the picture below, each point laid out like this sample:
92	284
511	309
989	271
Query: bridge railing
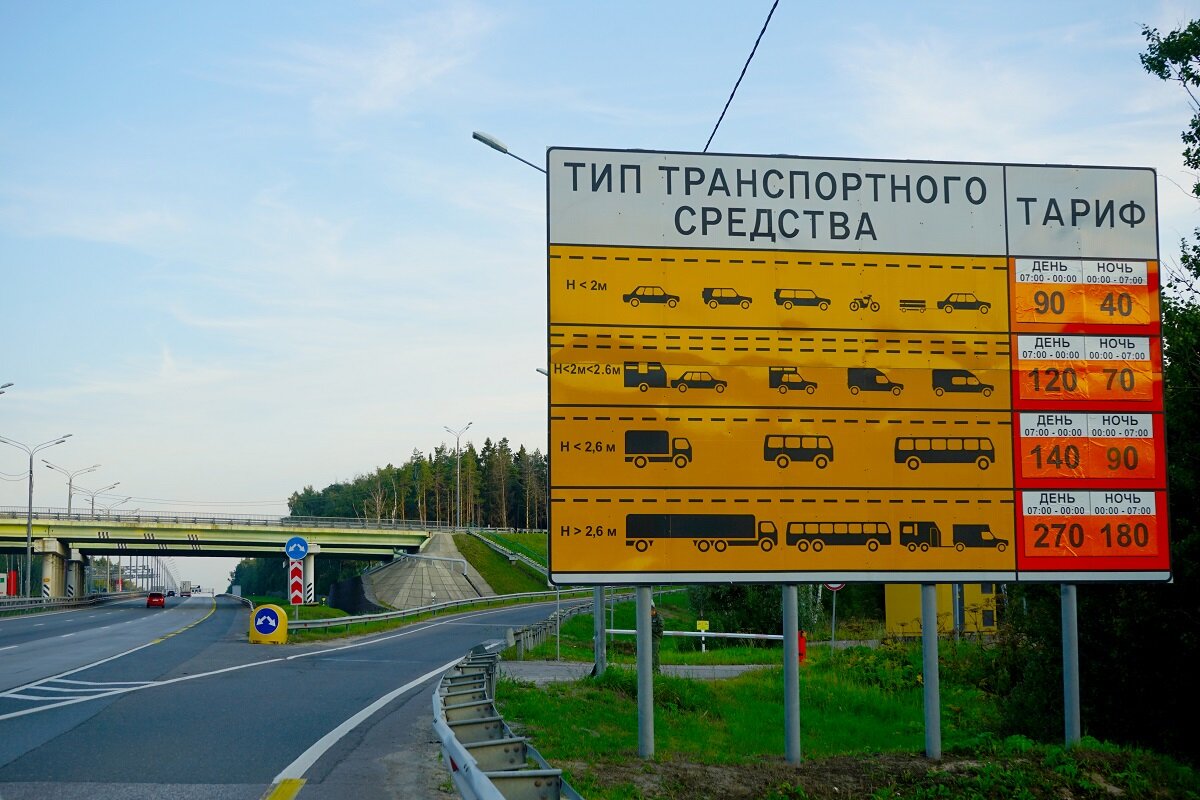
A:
60	514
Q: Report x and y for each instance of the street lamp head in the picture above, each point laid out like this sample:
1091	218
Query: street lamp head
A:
5	385
490	141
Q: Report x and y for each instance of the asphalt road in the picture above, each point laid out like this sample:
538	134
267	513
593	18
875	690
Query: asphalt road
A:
145	703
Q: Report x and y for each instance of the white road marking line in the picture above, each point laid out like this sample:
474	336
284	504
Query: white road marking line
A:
235	668
65	635
10	647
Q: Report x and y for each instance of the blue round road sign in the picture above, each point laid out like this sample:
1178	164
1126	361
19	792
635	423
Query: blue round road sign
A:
266	620
296	548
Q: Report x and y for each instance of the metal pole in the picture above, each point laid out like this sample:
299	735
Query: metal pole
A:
458	471
1070	648
29	529
929	639
833	626
645	675
599	637
791	674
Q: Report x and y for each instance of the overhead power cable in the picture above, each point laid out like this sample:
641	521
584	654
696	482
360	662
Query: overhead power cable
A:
739	80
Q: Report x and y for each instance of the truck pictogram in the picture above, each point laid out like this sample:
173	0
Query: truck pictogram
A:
644	447
705	531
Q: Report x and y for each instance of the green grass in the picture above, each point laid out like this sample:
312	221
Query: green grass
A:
864	703
576	636
532	545
503	577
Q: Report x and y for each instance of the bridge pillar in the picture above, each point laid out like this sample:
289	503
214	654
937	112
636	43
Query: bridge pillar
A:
75	587
310	578
54	567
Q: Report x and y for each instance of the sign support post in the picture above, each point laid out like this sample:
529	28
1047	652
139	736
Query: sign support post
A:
1070	648
600	645
645	675
791	674
929	653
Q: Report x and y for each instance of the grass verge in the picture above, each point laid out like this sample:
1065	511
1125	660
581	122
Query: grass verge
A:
862	736
503	577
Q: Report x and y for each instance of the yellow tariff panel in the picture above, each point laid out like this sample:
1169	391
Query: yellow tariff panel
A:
773	449
800	535
850	371
628	286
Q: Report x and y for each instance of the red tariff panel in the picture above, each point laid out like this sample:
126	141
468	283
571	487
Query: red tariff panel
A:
1093	531
1086	308
1090	462
1081	385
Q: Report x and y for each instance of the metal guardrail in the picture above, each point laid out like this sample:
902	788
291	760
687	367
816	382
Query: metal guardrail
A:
512	555
44	603
335	622
487	761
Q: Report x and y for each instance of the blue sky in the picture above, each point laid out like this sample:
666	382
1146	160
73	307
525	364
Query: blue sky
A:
251	247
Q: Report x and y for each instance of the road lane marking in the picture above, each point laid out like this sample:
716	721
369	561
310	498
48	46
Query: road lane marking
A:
309	757
286	789
65	635
235	668
10	647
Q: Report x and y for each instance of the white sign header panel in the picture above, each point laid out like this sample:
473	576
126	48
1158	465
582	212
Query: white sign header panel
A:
697	200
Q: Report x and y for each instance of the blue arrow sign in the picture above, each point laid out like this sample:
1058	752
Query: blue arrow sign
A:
296	548
266	620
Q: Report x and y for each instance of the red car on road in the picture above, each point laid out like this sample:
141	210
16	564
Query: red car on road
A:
156	599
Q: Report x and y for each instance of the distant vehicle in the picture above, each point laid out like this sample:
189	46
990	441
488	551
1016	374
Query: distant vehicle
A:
977	536
803	535
650	294
864	302
156	600
724	296
917	450
869	379
788	378
800	297
698	379
920	535
959	380
170	592
644	447
963	301
783	449
185	588
705	531
645	375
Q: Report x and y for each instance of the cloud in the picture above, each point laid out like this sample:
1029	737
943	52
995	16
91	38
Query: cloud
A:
376	72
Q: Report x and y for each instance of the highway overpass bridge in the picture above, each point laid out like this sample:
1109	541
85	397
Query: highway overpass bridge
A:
67	541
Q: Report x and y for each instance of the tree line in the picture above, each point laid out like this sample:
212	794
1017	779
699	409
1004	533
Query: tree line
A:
499	489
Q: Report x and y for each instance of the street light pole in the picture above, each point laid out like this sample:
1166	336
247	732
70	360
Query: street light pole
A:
457	472
70	478
93	494
29	508
496	144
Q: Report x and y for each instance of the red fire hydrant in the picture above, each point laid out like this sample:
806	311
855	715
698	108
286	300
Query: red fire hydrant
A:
803	645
